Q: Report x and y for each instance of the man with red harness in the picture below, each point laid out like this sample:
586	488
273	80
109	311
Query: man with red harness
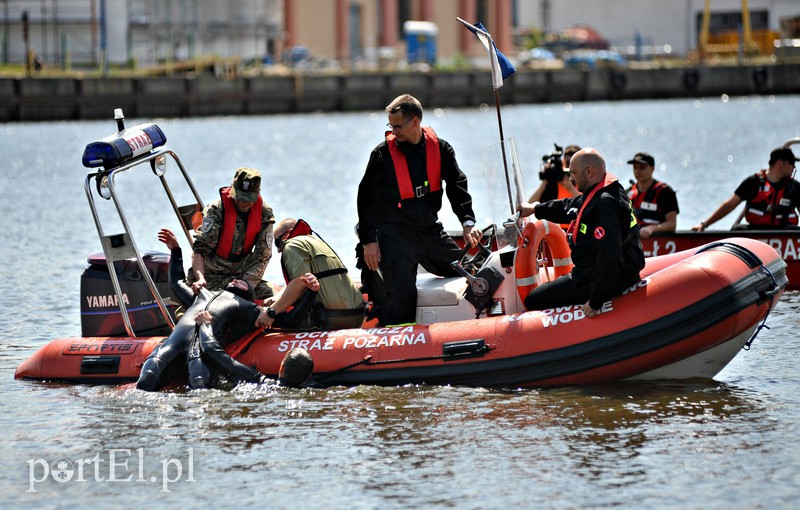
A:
772	196
603	237
235	239
399	199
338	302
654	202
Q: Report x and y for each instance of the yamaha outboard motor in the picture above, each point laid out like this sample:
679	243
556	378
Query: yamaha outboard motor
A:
100	313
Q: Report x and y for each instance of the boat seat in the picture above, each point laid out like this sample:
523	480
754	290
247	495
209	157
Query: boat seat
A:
438	291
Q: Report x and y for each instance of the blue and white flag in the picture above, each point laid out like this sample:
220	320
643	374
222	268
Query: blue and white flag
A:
501	66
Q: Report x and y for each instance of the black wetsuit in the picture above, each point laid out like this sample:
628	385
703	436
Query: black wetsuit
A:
235	317
201	346
162	365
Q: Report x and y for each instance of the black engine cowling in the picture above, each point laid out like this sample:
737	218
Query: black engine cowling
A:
100	313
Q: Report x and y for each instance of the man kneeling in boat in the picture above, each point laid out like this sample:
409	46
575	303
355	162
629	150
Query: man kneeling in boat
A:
235	238
233	314
339	304
603	236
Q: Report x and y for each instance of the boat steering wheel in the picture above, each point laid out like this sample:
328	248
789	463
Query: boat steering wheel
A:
484	247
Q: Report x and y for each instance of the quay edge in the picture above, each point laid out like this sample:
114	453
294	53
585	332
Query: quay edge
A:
48	99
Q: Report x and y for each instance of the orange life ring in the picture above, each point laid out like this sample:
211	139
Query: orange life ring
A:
526	265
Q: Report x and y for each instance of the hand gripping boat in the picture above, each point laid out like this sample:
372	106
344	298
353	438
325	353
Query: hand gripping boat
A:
691	313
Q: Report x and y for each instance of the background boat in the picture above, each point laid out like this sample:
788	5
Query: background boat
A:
785	242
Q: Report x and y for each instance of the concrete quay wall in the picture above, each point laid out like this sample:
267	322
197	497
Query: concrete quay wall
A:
47	99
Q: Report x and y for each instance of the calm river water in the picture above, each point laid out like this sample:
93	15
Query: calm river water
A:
727	443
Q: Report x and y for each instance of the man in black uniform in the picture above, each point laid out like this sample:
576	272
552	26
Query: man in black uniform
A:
603	236
398	204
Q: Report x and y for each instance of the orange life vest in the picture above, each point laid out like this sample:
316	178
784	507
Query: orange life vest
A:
433	168
563	192
225	243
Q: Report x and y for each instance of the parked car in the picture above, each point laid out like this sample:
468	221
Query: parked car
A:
593	59
539	58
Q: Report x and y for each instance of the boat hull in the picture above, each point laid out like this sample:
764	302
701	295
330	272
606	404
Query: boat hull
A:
688	317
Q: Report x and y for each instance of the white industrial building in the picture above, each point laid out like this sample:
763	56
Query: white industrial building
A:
146	32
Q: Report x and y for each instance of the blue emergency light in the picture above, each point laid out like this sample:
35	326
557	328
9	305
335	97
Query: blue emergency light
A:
124	145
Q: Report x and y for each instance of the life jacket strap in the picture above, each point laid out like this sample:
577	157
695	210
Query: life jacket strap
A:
331	272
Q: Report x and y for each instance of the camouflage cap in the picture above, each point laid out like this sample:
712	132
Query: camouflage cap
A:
246	185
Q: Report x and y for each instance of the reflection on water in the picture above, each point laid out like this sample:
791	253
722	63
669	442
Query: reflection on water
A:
406	442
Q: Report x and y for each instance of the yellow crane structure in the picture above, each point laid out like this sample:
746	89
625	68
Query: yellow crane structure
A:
732	43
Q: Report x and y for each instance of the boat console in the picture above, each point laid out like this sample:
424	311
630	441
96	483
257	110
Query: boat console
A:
491	291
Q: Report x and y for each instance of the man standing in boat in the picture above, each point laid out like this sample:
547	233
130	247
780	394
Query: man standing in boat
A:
772	196
654	202
603	236
399	199
235	239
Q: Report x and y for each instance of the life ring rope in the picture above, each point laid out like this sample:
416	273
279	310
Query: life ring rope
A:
527	261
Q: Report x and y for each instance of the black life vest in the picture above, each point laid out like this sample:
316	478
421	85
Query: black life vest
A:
645	205
769	208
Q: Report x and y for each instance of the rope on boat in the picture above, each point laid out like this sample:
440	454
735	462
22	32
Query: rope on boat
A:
763	324
752	261
364	361
476	352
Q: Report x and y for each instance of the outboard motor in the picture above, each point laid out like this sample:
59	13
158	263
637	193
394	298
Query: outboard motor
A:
100	313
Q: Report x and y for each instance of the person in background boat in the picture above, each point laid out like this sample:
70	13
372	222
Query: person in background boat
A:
771	196
603	237
555	182
654	202
235	238
399	199
233	313
339	302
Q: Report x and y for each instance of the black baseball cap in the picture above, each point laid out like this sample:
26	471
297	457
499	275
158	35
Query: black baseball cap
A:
643	158
782	154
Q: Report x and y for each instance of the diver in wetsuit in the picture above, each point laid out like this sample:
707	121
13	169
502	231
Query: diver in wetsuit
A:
161	367
210	322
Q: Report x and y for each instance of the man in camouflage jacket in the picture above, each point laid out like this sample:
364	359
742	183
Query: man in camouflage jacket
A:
235	239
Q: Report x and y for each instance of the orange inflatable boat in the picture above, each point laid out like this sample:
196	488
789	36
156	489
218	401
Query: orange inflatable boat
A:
691	313
689	316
